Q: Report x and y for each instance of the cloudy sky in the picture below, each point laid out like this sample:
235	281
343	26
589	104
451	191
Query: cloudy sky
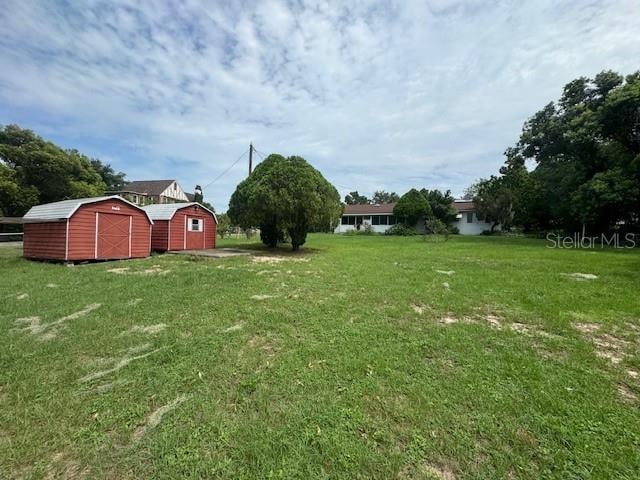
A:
377	95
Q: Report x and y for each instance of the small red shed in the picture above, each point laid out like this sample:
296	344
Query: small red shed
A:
101	228
182	226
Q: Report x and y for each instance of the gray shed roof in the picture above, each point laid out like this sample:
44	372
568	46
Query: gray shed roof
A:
166	211
66	208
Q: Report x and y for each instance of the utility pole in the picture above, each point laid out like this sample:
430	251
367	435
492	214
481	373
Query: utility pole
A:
250	157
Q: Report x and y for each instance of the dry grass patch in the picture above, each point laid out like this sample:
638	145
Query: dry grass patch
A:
276	259
580	277
154	419
49	331
149	329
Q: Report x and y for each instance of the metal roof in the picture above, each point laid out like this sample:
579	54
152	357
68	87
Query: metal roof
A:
166	211
66	208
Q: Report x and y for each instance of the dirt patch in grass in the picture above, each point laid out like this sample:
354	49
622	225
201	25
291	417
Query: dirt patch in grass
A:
276	259
22	296
134	301
153	270
426	471
149	329
580	277
154	419
49	331
419	309
586	328
63	467
446	285
626	393
51	285
446	272
261	297
262	344
123	362
609	347
106	387
233	328
118	270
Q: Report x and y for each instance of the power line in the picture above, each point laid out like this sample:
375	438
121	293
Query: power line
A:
223	173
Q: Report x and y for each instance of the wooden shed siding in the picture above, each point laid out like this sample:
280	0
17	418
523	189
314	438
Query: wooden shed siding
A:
82	229
160	235
46	241
178	227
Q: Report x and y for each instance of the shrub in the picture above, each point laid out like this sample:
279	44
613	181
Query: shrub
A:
401	230
436	227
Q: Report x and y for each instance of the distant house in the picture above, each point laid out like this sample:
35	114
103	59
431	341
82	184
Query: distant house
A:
380	217
146	192
468	221
356	217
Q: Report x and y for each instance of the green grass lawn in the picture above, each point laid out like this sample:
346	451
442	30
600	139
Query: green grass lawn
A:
355	358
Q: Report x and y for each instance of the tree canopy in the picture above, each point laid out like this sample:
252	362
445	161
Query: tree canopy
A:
285	196
584	156
411	207
381	196
354	198
33	170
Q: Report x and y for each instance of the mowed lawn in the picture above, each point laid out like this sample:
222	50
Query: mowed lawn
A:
359	357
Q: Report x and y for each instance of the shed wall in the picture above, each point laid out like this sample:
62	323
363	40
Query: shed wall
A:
45	241
160	235
178	228
82	229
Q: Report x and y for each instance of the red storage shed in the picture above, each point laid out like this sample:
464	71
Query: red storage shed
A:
101	228
182	226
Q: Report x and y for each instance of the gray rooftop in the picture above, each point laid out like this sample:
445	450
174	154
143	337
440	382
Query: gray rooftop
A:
166	211
66	208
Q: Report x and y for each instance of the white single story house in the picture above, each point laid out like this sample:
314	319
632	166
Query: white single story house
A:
468	222
380	217
356	217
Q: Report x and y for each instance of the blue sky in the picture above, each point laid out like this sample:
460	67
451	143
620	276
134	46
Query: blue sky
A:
377	95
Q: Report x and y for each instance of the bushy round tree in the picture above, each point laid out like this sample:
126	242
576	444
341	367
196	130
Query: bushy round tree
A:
285	196
411	207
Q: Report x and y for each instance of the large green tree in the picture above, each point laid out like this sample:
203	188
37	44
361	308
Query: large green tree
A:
42	171
441	204
585	151
354	198
285	197
412	207
113	180
493	202
381	196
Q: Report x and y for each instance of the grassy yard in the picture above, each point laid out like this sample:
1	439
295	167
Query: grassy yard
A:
360	357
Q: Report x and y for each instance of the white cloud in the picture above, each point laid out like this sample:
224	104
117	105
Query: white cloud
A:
376	95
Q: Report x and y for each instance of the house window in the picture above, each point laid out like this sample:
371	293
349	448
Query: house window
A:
469	217
195	224
392	219
345	221
375	220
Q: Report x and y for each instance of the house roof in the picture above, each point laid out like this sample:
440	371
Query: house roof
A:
66	208
190	196
464	205
369	209
150	187
166	211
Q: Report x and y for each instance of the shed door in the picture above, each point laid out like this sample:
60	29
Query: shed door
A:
194	233
113	238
